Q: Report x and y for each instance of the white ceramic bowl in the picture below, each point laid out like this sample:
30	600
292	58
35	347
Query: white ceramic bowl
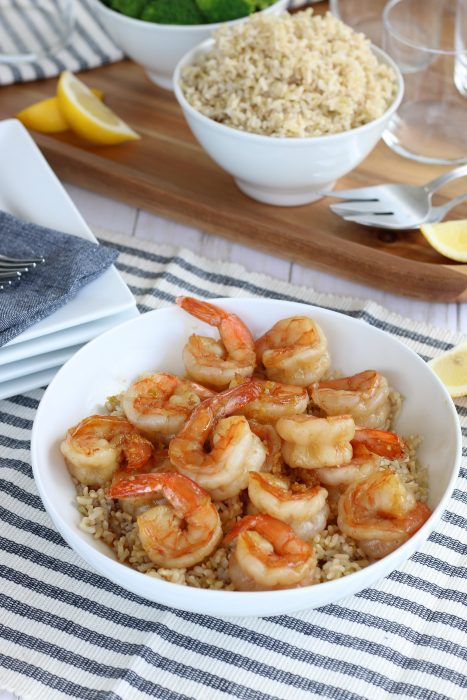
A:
280	170
154	341
159	47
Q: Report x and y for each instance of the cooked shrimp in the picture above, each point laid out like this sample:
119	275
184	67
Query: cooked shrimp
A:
304	509
316	442
294	351
277	400
268	555
213	362
235	449
362	464
159	404
100	445
158	463
336	479
272	443
365	396
180	533
380	513
313	443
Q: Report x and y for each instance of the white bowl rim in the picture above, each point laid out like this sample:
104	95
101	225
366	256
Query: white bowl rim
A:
182	28
294	141
200	597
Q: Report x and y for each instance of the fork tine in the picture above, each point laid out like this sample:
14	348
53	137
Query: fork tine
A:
14	268
377	221
12	274
365	207
15	265
357	194
21	261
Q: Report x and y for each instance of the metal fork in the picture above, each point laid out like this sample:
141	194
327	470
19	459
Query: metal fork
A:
396	206
11	269
401	220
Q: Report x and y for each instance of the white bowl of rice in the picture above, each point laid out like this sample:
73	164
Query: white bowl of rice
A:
288	104
154	342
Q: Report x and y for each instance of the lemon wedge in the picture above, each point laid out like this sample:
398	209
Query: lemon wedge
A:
88	116
46	116
451	368
448	238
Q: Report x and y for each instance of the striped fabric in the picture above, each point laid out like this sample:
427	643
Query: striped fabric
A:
66	632
89	45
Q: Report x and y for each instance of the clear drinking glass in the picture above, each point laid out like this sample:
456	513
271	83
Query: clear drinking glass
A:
32	29
362	15
428	41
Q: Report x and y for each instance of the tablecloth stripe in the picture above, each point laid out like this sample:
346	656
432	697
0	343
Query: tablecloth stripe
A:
89	45
66	631
143	264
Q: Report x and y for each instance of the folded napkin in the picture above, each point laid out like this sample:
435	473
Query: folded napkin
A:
70	264
89	45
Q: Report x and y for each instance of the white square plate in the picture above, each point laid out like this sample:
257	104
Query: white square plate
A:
28	351
30	190
39	369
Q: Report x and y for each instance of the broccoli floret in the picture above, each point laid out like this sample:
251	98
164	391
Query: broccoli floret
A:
262	4
173	12
131	8
224	10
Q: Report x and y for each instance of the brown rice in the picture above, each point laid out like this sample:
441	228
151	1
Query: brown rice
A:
288	75
337	554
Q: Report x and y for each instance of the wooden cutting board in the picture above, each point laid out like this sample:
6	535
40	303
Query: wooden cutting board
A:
169	174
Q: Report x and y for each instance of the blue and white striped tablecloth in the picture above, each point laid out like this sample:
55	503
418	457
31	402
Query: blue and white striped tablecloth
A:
89	45
67	632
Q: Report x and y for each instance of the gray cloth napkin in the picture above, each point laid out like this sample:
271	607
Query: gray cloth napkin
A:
70	264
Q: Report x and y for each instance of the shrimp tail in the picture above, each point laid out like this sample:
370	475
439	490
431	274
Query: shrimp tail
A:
365	380
143	484
277	532
209	313
417	517
202	391
137	450
235	334
181	491
227	402
381	442
249	522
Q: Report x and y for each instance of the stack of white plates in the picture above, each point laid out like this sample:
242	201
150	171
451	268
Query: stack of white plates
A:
30	190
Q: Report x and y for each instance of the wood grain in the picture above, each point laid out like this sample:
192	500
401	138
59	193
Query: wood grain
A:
169	174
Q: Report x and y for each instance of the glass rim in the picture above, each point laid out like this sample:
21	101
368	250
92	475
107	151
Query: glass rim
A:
389	27
67	18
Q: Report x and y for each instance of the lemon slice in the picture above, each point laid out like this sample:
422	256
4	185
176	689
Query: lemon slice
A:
451	368
88	116
46	116
449	239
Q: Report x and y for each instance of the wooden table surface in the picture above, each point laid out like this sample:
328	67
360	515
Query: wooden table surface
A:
115	216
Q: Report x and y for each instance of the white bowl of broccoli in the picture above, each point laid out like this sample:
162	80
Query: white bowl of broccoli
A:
157	33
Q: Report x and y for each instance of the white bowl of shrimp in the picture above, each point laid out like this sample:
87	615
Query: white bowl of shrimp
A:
268	438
